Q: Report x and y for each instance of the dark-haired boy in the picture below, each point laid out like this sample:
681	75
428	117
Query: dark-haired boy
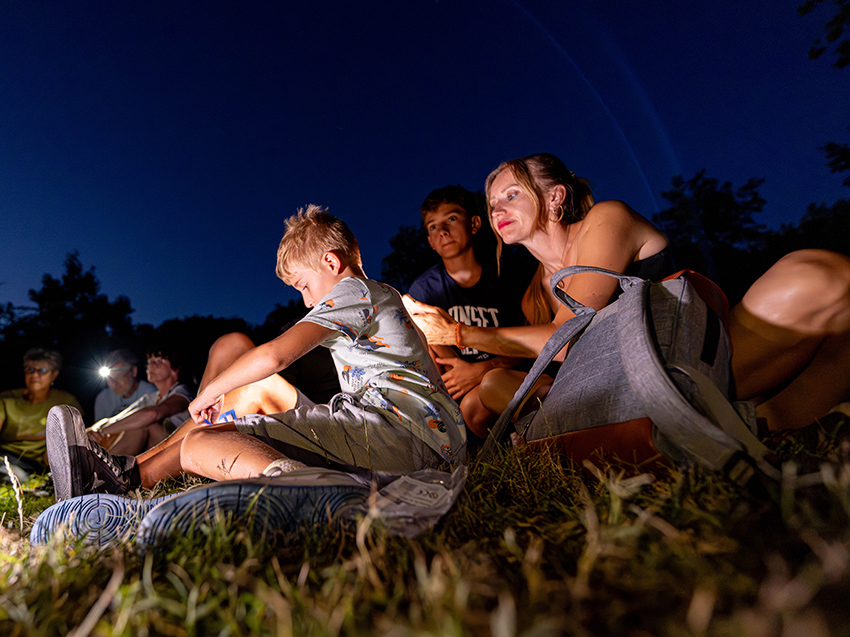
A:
471	290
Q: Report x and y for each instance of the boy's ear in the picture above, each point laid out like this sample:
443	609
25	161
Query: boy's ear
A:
475	223
332	261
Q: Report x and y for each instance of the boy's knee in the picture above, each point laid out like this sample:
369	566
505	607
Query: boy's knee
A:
231	343
491	391
201	436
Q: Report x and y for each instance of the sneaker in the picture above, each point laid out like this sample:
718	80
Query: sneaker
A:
303	497
98	518
80	466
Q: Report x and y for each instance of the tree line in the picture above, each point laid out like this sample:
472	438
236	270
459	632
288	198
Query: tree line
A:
711	224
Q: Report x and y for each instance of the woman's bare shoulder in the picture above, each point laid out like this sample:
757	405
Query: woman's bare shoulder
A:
617	219
616	210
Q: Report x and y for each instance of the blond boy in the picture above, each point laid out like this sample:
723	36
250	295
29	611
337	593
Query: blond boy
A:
394	414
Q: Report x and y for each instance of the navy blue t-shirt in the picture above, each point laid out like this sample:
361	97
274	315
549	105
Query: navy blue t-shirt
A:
495	301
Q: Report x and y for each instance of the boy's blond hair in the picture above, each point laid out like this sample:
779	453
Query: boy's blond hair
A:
308	235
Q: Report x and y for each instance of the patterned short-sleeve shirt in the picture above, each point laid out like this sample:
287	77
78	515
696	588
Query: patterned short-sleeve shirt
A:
383	361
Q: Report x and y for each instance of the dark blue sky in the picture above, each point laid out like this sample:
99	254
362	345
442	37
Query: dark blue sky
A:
168	141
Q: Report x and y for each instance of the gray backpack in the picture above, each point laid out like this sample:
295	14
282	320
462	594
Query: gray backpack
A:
648	374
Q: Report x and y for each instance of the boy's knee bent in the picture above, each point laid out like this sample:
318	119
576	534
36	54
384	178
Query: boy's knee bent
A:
493	389
202	437
234	343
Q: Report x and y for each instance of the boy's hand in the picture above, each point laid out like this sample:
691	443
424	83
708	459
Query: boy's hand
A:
460	376
202	410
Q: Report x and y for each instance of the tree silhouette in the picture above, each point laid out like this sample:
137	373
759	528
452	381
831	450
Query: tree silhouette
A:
837	29
838	159
72	316
837	37
410	256
822	226
711	227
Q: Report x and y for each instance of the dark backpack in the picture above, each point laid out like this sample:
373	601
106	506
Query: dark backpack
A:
647	375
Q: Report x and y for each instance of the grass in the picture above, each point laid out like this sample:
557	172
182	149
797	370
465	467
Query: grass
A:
533	547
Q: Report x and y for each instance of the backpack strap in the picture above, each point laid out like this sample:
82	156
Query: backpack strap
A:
563	335
722	441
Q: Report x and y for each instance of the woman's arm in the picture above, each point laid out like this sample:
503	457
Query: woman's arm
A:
611	236
147	415
257	364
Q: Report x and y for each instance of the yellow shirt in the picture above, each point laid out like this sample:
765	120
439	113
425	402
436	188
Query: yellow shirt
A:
22	424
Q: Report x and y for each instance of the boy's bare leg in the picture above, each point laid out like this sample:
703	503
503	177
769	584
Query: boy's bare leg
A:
477	417
791	339
271	395
219	452
499	386
223	352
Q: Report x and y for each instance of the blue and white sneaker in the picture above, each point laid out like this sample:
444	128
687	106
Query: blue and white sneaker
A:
269	505
98	518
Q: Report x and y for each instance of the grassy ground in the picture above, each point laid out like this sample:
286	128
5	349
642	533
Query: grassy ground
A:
532	547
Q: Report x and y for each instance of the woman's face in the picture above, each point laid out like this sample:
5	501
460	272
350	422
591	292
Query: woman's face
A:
39	375
514	212
159	369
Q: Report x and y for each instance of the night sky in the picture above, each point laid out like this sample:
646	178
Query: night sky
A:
168	141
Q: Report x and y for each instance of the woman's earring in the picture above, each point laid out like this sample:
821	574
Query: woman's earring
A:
560	214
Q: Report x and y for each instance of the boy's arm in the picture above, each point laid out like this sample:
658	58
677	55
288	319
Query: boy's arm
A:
257	364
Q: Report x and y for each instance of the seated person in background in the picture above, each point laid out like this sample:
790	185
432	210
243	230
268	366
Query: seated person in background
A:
472	291
154	416
23	411
393	416
124	386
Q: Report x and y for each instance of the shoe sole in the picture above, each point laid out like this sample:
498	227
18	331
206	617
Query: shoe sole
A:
268	505
63	438
98	518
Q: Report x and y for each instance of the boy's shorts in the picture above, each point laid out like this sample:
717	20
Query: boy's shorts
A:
342	434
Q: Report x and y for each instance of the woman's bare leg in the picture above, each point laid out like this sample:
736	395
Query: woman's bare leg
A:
135	441
791	339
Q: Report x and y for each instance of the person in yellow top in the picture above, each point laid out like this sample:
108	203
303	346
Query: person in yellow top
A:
23	412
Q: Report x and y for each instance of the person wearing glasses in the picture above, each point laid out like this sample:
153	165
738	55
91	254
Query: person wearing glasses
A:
124	385
23	412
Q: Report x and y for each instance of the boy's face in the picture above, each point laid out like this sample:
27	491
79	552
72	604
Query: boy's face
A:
314	285
450	230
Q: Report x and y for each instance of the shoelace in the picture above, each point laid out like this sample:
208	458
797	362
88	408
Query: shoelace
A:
108	460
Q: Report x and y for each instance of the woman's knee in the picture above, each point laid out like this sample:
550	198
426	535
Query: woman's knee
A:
807	291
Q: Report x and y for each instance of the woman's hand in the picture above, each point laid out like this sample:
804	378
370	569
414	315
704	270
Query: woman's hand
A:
204	410
98	437
435	323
